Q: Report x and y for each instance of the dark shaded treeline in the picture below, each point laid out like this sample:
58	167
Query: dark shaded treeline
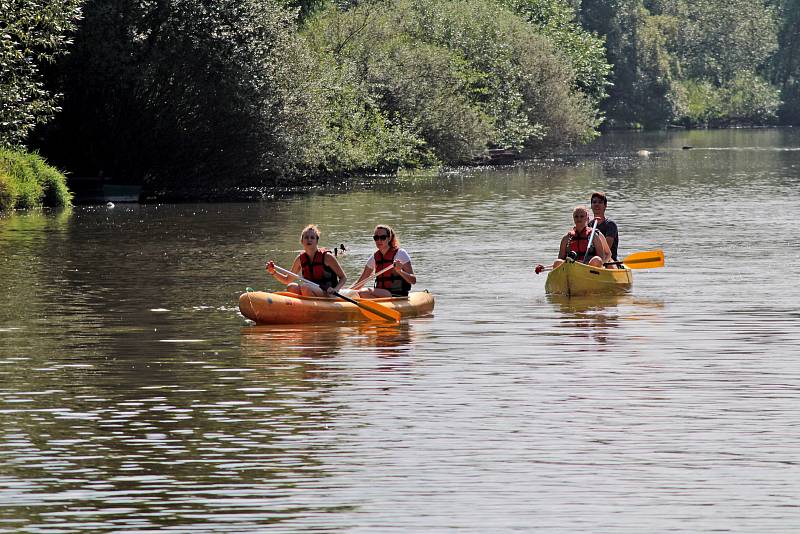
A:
196	98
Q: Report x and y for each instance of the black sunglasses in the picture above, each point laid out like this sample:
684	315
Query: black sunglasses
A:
380	237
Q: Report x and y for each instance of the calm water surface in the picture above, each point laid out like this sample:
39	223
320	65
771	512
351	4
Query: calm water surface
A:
133	396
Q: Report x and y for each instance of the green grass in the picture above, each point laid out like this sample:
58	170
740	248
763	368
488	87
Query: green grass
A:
27	181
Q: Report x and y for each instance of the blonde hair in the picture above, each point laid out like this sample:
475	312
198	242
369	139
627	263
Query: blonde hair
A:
313	227
583	209
393	241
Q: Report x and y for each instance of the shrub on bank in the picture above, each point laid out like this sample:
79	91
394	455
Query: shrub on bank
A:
750	100
743	101
461	76
27	181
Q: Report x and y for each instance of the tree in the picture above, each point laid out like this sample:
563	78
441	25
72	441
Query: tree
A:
786	62
639	45
461	75
187	94
720	39
678	60
557	20
32	33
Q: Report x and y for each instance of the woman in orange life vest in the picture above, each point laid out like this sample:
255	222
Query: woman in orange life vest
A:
577	241
314	264
395	282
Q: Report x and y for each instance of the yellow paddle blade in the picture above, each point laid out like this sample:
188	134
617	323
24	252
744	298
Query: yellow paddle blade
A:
373	308
645	260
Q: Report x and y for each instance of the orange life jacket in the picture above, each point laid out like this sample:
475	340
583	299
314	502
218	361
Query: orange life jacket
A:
316	271
579	243
390	280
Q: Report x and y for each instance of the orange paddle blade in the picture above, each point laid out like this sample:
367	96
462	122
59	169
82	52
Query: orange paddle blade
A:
374	308
645	260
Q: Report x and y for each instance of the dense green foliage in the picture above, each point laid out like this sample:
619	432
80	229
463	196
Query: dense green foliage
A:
193	97
460	75
26	181
681	61
557	20
353	133
33	33
786	63
744	100
637	43
201	95
213	91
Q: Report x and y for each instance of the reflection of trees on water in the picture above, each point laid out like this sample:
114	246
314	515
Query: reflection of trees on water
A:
597	317
28	243
178	427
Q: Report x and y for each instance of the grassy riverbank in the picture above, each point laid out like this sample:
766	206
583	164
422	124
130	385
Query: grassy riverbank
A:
27	181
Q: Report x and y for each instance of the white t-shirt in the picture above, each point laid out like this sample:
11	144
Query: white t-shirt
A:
401	255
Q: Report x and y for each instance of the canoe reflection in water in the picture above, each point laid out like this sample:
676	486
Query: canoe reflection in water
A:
291	353
284	343
601	317
389	340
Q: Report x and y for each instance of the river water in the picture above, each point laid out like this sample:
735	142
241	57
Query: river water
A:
133	396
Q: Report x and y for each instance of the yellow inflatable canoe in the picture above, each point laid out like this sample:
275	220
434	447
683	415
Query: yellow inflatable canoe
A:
577	279
288	308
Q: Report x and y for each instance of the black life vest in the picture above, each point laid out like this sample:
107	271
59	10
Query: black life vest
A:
390	280
316	271
579	242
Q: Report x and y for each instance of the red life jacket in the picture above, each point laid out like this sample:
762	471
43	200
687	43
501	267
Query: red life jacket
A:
316	271
579	242
390	280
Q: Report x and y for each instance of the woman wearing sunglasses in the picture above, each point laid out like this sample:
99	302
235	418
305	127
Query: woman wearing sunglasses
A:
315	264
397	281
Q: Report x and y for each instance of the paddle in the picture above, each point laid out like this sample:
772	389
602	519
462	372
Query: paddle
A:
373	310
589	244
650	259
373	275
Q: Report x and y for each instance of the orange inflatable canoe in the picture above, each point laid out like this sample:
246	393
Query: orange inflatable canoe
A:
289	308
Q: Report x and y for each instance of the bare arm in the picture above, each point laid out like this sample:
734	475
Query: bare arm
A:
562	250
406	271
284	278
331	262
601	246
364	275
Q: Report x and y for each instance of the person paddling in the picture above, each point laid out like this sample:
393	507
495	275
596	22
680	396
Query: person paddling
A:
576	244
395	282
315	264
606	226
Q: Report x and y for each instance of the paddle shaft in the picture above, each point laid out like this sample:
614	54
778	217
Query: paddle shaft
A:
589	244
372	307
287	272
373	275
650	259
550	268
